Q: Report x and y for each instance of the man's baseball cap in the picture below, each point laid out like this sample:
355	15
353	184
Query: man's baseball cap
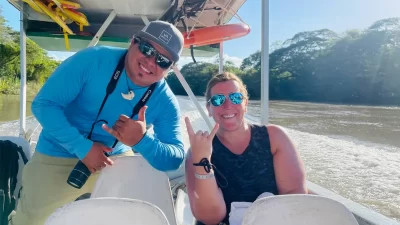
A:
166	35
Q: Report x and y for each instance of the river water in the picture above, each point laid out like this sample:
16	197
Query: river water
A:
352	150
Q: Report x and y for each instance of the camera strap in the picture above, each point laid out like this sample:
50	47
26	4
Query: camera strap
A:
111	87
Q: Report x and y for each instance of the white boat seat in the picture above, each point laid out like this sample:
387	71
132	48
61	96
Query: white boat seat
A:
107	211
134	178
23	143
298	209
183	212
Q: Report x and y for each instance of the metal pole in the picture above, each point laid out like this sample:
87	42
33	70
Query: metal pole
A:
145	19
192	97
221	57
264	61
187	88
103	28
22	100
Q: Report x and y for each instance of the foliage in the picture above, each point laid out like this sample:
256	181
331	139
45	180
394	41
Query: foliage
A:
356	67
39	65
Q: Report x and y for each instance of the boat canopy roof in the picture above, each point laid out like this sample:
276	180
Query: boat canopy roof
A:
130	18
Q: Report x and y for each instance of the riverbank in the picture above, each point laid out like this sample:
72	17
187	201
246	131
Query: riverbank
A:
12	87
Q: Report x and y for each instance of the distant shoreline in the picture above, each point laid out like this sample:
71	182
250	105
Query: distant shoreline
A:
33	94
315	102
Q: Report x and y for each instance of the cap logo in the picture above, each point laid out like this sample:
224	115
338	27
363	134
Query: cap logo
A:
165	37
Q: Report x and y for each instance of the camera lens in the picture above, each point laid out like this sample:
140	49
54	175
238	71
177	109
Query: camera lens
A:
79	175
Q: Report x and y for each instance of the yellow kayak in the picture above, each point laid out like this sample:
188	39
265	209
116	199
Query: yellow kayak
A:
76	16
52	14
68	4
33	5
61	11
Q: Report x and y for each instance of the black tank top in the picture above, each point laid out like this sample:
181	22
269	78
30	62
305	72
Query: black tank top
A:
248	175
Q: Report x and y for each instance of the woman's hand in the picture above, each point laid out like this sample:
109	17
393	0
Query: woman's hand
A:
201	142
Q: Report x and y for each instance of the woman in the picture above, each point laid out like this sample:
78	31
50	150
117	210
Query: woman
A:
249	159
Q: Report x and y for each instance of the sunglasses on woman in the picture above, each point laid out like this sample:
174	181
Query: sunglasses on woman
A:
219	99
149	51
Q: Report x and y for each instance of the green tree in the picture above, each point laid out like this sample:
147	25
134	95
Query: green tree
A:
5	31
39	65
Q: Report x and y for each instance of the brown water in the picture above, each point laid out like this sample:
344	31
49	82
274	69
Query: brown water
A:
351	150
357	123
9	107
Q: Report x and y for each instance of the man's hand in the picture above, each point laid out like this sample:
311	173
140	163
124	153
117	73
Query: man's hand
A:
95	160
129	131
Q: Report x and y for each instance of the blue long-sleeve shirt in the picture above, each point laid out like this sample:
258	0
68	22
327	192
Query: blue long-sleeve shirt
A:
69	101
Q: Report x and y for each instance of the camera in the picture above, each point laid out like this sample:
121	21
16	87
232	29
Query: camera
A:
79	175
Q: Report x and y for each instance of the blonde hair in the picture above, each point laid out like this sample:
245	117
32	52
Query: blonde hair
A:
223	77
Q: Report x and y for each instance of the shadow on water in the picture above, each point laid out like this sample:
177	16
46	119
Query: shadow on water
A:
9	107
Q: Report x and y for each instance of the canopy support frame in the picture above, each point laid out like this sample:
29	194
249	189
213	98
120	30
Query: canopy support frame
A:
22	101
188	89
264	61
221	57
103	28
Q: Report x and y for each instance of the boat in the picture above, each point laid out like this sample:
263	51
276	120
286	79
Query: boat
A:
113	23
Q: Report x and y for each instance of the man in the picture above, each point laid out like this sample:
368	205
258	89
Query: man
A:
76	127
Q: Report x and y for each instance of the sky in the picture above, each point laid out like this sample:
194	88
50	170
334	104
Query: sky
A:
286	18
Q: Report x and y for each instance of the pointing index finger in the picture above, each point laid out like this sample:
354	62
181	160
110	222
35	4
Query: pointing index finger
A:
189	126
214	131
110	131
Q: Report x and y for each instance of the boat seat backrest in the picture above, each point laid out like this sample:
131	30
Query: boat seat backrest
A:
183	212
298	209
108	211
134	178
